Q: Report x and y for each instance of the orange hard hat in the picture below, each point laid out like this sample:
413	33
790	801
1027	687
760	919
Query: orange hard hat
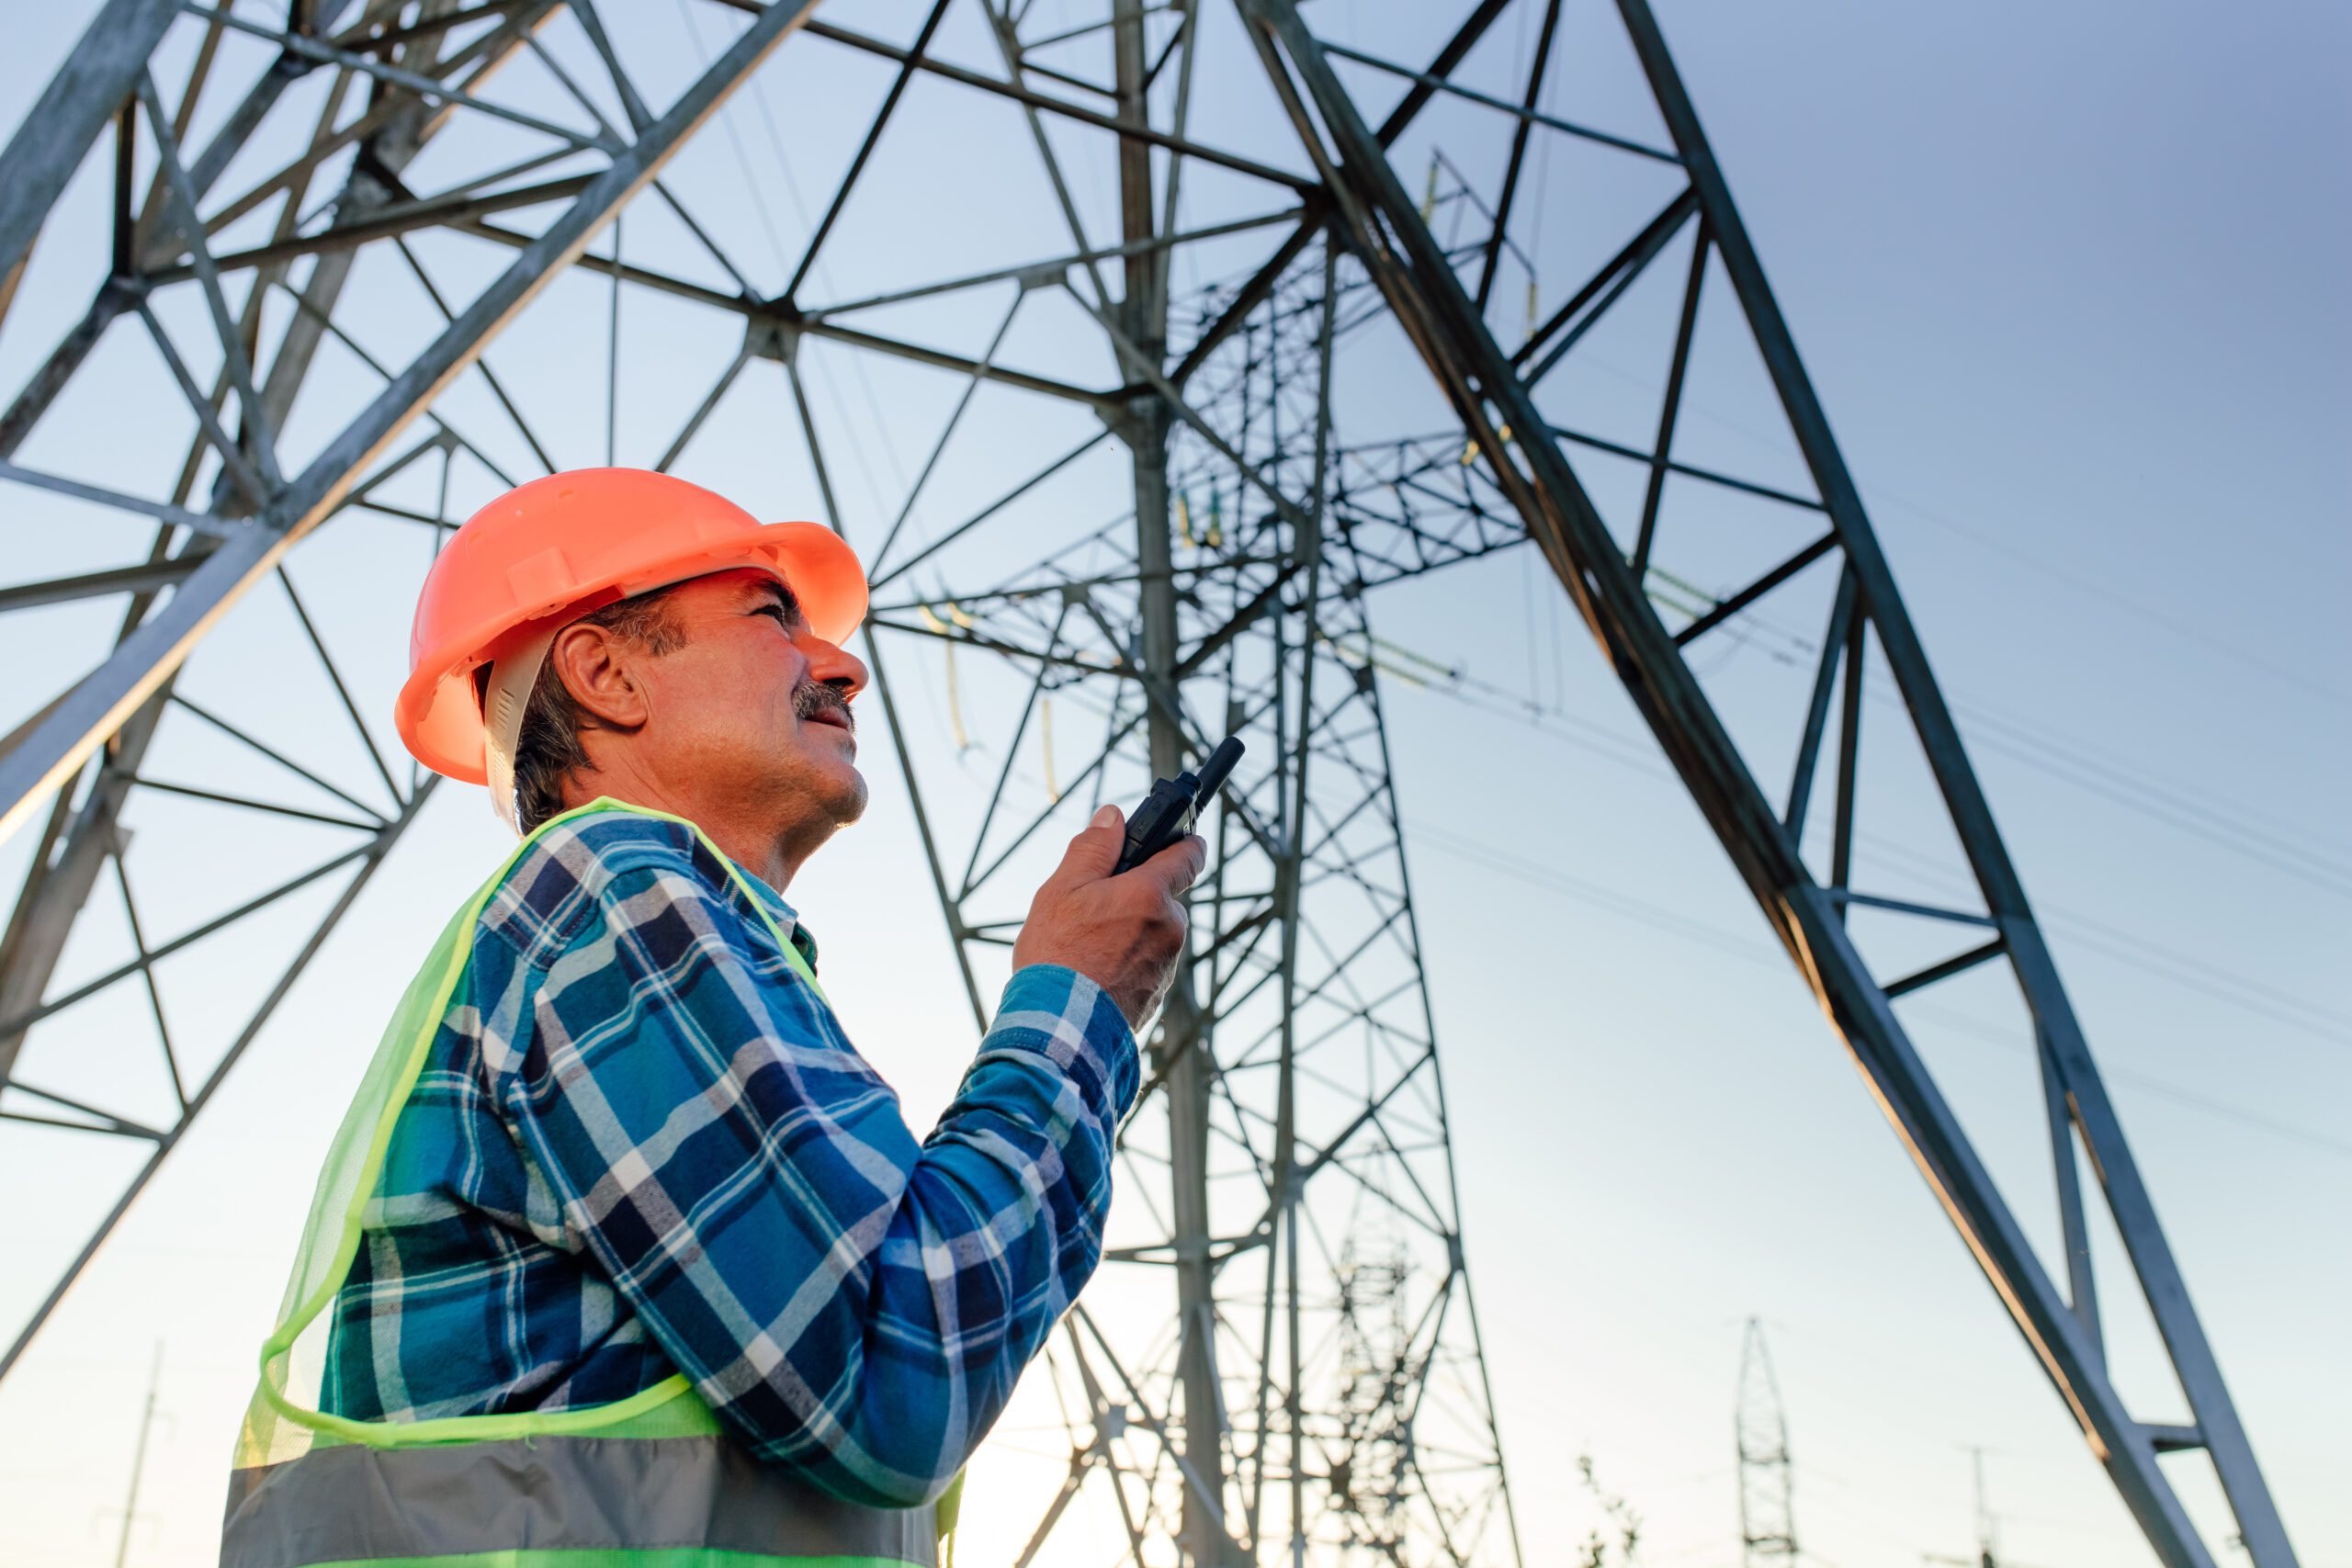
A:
548	552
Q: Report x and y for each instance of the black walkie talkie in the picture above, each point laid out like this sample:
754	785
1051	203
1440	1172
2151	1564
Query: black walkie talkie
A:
1166	814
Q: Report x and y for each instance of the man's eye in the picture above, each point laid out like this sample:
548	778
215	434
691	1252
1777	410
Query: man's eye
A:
776	611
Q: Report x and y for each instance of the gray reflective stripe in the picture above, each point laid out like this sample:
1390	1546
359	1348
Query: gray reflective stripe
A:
347	1502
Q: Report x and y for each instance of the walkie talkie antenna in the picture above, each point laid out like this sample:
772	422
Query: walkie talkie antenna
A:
1213	771
1166	814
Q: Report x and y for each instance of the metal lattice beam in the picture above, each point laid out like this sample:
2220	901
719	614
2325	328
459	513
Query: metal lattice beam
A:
1606	580
1281	1358
1322	1389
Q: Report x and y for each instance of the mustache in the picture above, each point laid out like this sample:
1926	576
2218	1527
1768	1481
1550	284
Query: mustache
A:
818	697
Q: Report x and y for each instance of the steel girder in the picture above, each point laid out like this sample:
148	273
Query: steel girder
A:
284	509
1608	577
211	556
1280	1359
1291	1414
1332	1394
1318	1388
95	79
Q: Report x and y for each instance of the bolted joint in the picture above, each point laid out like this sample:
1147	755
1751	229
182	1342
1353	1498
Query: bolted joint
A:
774	337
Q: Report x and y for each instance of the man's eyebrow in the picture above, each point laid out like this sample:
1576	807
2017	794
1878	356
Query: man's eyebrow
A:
784	596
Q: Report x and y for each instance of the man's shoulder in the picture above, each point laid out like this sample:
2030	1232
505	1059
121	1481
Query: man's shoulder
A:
558	885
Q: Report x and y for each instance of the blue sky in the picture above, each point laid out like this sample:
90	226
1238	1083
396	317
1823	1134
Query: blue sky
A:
2069	283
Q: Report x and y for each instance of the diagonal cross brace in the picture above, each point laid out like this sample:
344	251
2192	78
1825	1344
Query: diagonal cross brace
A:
1445	327
97	706
76	105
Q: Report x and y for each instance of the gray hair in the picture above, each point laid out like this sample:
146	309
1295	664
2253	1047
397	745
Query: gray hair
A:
548	751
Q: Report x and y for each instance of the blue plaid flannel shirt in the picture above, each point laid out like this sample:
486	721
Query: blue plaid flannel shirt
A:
641	1144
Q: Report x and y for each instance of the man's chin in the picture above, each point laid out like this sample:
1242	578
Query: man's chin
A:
846	802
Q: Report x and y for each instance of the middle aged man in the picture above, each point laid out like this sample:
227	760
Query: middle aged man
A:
625	1255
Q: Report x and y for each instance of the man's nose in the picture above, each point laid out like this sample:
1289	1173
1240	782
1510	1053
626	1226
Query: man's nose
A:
834	665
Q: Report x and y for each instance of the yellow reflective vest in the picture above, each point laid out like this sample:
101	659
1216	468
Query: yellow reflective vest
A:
652	1481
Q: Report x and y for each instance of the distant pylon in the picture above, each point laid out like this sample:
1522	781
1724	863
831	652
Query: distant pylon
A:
1987	1526
1767	1526
139	1460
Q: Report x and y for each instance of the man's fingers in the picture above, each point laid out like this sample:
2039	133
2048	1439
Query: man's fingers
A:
1095	851
1180	863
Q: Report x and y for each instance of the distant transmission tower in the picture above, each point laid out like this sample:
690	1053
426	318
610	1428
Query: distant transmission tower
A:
1768	1522
1372	1455
139	1461
1988	1548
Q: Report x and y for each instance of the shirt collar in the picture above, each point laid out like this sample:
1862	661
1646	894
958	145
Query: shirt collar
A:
787	919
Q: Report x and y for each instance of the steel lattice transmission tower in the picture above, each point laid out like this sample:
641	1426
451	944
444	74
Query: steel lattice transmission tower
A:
1767	1517
1137	508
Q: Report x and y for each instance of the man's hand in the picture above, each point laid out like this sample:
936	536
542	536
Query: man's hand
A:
1122	932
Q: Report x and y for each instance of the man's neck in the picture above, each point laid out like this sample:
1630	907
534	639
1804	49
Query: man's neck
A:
749	838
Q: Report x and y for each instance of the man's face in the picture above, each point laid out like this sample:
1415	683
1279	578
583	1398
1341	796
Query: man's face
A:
755	707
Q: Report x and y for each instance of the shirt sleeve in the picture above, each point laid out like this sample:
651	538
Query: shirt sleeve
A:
850	1303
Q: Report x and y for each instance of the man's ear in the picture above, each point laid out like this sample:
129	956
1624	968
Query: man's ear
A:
599	670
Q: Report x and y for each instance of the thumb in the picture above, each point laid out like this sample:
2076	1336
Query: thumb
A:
1095	851
1180	863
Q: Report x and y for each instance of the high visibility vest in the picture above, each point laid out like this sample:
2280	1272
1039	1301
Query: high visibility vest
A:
648	1482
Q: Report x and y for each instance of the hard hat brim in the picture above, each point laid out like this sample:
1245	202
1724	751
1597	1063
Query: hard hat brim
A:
439	714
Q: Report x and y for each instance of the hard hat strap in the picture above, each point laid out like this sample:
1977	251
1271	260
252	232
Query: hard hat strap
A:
511	679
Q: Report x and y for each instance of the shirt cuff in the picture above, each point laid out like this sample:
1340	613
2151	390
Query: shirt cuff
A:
1077	1026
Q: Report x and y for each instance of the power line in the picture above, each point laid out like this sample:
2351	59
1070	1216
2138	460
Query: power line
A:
1553	880
2151	958
2154	959
1992	1034
2211	827
2142	774
1515	864
2225	821
2170	623
1881	497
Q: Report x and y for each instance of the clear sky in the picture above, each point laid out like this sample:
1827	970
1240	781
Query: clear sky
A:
2070	283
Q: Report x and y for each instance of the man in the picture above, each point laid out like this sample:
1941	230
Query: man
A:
622	1249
